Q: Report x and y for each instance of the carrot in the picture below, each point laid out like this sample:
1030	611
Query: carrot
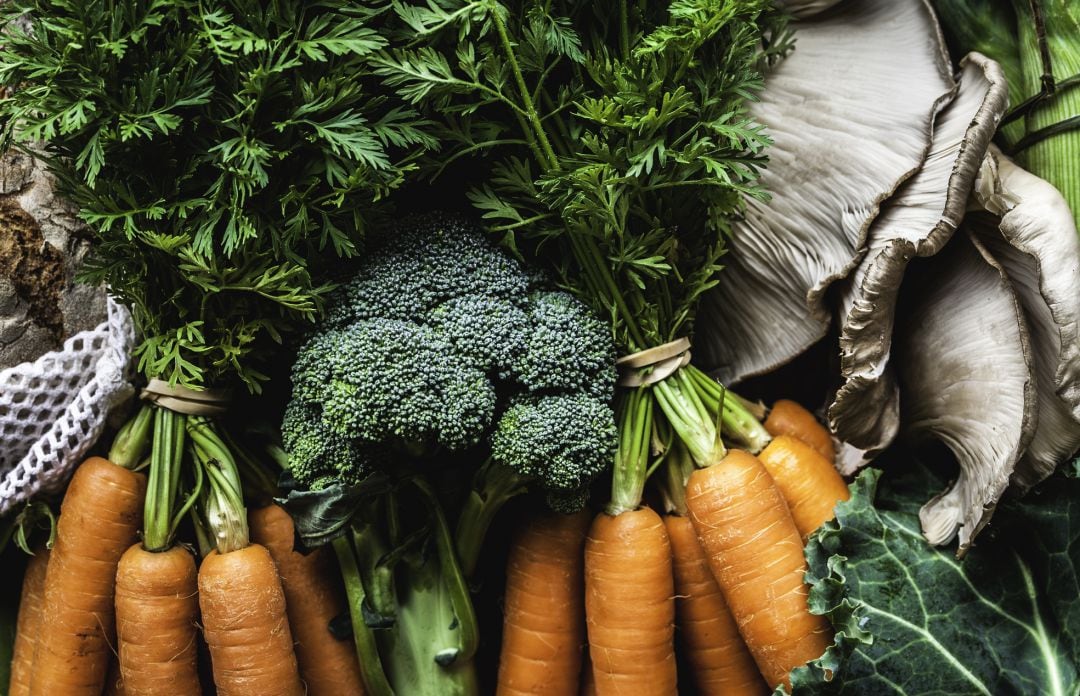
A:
313	596
789	418
588	679
544	626
245	624
99	519
629	604
114	683
756	556
28	624
156	621
719	660
809	483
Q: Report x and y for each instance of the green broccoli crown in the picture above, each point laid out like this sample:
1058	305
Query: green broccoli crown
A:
568	348
489	331
560	441
388	380
422	265
318	456
436	330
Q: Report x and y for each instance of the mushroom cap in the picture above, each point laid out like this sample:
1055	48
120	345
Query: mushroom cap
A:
1029	228
964	370
917	221
851	112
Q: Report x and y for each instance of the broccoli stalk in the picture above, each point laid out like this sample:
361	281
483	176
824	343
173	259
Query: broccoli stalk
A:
411	613
494	485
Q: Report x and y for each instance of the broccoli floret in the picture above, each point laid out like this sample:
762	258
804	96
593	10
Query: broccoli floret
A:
319	457
559	441
490	331
423	264
568	349
386	380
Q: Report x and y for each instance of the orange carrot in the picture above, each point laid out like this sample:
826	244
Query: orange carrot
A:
313	596
588	679
756	556
245	624
544	627
99	520
114	683
630	604
810	484
719	660
156	621
29	623
790	418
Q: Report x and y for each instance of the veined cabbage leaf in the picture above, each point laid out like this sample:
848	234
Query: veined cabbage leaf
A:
911	619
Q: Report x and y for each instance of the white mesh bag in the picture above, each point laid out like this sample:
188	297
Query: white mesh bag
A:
53	409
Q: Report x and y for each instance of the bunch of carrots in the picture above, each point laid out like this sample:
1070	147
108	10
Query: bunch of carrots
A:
723	566
117	604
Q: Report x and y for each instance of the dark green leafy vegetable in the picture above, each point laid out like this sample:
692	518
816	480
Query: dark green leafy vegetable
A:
214	148
911	619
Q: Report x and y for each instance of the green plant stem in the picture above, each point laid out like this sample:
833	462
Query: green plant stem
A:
163	483
367	649
677	470
1056	159
226	516
493	486
133	439
632	455
678	398
257	481
737	419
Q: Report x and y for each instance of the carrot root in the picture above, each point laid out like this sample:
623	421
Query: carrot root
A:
544	626
28	624
99	519
756	555
630	605
156	621
245	624
790	418
810	484
719	660
313	596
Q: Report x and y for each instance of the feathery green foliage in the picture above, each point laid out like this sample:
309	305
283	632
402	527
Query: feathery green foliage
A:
214	148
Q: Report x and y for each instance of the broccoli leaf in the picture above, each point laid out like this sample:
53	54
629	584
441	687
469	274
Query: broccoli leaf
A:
912	619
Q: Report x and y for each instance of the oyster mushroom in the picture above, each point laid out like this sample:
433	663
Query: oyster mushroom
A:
917	221
964	369
850	112
1029	228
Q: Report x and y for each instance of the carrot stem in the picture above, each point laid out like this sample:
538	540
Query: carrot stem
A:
132	440
632	454
737	418
686	412
164	479
226	516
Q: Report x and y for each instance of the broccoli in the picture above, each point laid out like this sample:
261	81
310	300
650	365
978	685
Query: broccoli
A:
443	343
569	348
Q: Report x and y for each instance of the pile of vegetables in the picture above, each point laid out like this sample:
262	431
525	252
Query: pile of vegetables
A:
439	303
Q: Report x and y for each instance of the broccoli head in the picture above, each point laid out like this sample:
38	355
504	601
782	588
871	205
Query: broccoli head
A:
568	348
442	340
423	264
558	441
393	381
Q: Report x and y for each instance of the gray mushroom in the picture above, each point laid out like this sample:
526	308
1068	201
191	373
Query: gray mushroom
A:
1029	228
964	369
851	113
917	221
